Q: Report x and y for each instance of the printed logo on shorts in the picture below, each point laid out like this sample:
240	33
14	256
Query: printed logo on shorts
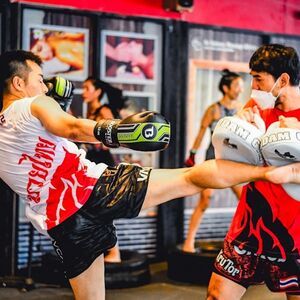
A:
143	175
247	252
2	119
58	251
226	264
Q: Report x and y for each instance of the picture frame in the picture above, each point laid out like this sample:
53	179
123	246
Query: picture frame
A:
137	102
144	159
128	57
64	50
78	107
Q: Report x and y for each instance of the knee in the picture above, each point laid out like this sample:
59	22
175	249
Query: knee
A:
211	295
204	205
205	200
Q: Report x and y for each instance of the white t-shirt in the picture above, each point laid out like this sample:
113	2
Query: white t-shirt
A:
49	172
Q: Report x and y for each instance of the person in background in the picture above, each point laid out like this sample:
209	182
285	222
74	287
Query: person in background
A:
263	241
95	94
231	86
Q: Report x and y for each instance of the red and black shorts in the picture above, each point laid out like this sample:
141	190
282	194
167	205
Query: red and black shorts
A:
246	268
79	240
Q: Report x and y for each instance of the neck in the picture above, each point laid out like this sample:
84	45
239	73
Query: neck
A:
228	102
289	100
94	105
9	99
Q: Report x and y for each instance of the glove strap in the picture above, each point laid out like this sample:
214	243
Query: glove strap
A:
106	133
193	151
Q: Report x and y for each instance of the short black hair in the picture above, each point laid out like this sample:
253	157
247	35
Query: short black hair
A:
14	63
226	79
276	59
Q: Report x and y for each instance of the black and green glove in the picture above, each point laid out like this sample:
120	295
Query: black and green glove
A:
61	90
145	131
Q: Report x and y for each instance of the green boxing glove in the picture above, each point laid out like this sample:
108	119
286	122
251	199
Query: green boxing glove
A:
61	90
145	131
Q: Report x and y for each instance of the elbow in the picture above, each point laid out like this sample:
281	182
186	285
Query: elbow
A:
72	132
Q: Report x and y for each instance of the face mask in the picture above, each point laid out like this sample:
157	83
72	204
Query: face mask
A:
264	99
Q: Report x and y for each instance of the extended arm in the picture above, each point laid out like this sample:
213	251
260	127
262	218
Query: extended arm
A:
60	123
145	131
205	122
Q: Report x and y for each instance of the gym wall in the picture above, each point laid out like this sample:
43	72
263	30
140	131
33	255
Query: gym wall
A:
185	50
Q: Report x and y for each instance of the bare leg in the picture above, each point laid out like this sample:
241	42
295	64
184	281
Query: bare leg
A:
90	284
167	184
203	203
221	288
113	255
237	189
286	174
293	297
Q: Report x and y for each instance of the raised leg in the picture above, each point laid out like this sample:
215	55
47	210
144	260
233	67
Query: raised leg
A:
167	184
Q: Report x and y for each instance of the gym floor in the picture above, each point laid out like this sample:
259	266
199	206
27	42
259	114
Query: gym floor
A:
160	288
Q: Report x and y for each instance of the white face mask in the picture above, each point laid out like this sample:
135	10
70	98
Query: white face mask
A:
264	99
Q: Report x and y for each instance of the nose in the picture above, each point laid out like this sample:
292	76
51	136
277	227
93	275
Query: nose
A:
45	88
254	85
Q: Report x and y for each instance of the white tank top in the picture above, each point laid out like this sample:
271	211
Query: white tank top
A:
50	173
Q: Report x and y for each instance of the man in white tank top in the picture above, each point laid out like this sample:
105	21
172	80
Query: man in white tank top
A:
71	199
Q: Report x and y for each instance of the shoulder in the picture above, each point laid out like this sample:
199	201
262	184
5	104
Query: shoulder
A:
43	105
43	101
213	107
40	100
105	112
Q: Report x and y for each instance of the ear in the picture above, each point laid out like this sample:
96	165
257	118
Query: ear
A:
225	88
99	91
284	80
18	83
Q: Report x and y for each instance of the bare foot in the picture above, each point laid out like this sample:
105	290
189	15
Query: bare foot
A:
188	248
285	174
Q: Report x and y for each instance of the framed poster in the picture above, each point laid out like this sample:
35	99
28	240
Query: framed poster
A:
138	102
144	159
64	50
128	57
